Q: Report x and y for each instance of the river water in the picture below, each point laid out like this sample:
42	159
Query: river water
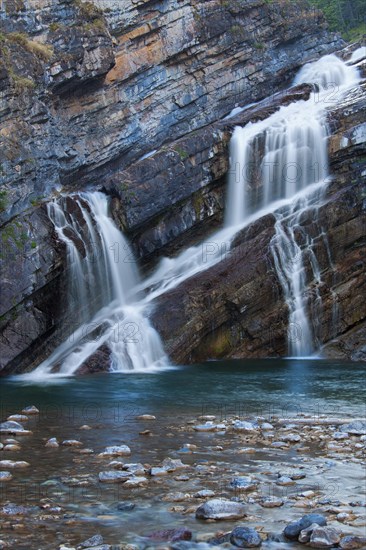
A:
109	404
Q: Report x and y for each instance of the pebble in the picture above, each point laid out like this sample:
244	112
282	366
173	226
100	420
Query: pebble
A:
172	535
12	447
125	506
93	541
243	483
176	497
343	516
245	537
11	427
204	493
172	464
291	438
266	426
305	534
18	417
355	428
271	502
351	542
135	469
5	476
243	426
116	450
72	443
32	409
340	435
324	537
113	476
220	509
284	481
146	417
208	427
293	529
156	471
136	481
13	464
52	442
279	444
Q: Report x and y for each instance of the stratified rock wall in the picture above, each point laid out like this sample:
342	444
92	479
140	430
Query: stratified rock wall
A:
236	308
87	89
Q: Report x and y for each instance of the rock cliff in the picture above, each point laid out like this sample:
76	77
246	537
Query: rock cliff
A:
127	98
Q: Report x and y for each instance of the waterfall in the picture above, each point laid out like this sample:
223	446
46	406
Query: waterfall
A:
103	304
284	158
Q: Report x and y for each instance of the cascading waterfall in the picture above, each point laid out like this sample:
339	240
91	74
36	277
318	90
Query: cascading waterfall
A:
277	165
293	166
103	303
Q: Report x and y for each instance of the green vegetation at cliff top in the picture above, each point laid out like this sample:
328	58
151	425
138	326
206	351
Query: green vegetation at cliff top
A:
345	16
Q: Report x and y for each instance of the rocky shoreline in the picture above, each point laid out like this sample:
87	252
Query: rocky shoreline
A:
223	482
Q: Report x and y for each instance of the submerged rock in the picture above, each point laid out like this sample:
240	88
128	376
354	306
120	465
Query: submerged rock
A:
172	535
14	464
243	483
52	442
12	427
352	542
355	428
114	476
220	509
245	537
116	450
31	409
96	540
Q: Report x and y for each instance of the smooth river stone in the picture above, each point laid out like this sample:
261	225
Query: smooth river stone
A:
18	417
72	443
11	427
243	483
13	464
324	537
5	476
32	409
136	481
352	542
293	529
220	509
116	450
358	427
114	476
245	537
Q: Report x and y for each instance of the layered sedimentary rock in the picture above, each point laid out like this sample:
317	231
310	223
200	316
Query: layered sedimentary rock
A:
87	89
237	308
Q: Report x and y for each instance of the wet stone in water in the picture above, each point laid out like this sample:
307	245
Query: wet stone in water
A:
245	537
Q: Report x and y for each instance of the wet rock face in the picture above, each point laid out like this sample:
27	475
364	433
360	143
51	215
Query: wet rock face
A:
86	90
236	308
98	84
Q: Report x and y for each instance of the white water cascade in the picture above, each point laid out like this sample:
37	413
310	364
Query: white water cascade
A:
103	304
285	158
277	165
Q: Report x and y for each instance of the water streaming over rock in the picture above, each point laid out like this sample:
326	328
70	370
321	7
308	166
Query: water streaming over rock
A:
285	157
103	302
279	164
